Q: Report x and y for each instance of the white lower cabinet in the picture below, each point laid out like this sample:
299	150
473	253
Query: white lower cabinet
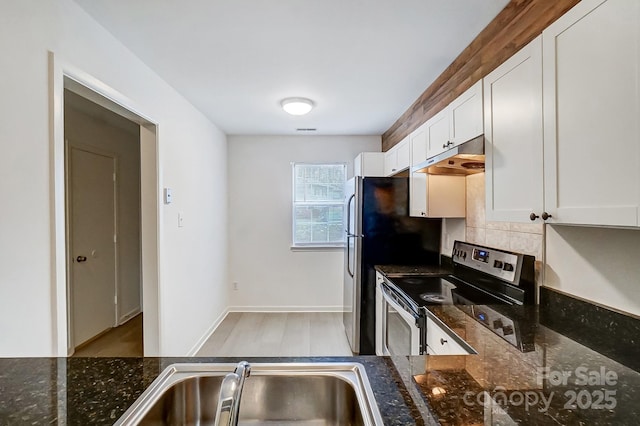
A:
440	342
437	195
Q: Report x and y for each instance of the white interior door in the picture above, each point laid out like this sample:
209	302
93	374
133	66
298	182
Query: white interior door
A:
93	249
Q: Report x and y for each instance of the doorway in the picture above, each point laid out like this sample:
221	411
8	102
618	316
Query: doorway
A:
64	75
102	159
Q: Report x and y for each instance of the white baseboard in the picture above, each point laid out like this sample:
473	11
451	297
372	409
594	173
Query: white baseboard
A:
196	348
126	317
285	309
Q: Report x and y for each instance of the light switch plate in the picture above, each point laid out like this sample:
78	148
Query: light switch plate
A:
167	196
180	219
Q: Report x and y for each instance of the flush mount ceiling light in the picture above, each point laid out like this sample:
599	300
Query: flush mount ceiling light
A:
297	106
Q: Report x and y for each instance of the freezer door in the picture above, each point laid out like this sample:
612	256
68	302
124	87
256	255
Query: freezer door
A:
351	289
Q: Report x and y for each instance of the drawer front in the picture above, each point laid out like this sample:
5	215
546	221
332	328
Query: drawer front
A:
440	342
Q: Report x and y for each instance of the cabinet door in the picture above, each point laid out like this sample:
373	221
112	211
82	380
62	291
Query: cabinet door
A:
390	162
591	114
369	164
513	137
438	133
403	156
418	194
466	115
418	143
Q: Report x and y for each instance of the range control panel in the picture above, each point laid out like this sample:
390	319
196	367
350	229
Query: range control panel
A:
498	263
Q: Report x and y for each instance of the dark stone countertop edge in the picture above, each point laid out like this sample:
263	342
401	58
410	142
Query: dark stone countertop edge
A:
98	391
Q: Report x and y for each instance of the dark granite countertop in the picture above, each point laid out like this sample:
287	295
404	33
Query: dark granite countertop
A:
560	381
391	270
557	380
97	391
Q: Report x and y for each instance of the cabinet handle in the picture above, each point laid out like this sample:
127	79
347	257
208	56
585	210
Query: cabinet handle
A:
423	213
545	216
533	216
447	145
443	341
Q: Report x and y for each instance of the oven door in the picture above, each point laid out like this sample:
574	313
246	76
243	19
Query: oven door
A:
398	333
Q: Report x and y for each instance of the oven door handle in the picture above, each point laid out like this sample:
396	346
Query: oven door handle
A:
421	322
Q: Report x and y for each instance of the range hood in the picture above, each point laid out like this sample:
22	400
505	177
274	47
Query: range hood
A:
464	159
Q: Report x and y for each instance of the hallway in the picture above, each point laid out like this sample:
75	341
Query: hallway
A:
122	341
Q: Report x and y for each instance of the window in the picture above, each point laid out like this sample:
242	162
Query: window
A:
318	204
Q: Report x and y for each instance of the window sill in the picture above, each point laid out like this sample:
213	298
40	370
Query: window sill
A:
337	247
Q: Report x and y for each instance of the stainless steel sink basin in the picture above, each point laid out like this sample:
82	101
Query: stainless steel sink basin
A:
286	393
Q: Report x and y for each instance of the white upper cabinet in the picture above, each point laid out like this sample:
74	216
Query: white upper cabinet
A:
418	142
369	164
513	137
458	122
592	115
465	114
403	160
398	158
438	139
430	195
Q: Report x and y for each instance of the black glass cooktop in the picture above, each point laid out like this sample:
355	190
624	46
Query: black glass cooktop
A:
425	291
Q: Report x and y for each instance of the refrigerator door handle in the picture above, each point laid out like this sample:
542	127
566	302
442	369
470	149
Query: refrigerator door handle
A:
349	234
348	263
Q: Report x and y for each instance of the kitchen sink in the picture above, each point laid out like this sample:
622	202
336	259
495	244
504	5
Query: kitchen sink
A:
274	393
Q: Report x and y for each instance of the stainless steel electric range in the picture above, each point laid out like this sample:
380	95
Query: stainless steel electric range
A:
490	285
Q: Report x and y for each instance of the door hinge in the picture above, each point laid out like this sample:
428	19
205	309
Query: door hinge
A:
114	177
115	300
115	238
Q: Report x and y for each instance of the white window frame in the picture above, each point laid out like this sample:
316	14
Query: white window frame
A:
314	245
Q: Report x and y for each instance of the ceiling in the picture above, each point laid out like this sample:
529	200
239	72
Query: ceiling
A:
363	63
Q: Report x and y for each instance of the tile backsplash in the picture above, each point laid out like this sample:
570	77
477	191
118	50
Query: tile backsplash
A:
527	238
524	238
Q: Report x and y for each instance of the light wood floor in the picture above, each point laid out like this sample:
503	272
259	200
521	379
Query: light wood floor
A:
122	341
246	334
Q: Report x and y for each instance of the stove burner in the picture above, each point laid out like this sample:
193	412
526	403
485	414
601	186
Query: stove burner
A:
433	297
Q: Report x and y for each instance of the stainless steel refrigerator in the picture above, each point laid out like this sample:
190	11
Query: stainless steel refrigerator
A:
379	232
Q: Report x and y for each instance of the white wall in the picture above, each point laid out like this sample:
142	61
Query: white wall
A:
112	133
192	161
269	274
597	264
